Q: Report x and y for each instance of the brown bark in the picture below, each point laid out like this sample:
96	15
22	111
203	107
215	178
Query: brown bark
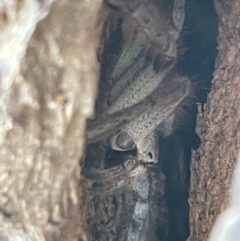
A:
218	127
47	105
39	169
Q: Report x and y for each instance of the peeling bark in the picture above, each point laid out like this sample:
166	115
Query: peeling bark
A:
218	127
43	119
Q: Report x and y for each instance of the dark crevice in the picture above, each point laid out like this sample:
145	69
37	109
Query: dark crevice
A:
168	198
199	37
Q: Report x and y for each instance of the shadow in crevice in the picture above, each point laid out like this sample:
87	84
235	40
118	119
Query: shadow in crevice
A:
175	157
199	37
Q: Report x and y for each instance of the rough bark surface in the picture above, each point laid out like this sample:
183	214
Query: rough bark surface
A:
218	127
43	111
44	107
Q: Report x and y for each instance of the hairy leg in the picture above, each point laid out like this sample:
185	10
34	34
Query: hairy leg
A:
141	129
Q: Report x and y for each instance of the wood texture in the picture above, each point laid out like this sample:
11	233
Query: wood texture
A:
47	105
218	127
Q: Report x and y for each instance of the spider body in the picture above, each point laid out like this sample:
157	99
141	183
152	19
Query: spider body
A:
140	92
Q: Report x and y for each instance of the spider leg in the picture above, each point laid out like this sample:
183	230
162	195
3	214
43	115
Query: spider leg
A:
96	174
148	149
118	181
150	18
96	165
148	146
141	130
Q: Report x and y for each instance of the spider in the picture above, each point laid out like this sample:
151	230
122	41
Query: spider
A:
140	98
142	92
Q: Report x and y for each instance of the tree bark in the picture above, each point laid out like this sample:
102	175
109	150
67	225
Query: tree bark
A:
218	126
45	101
43	112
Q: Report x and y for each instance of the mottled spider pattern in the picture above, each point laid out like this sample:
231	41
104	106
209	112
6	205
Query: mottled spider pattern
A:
142	94
137	95
141	91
